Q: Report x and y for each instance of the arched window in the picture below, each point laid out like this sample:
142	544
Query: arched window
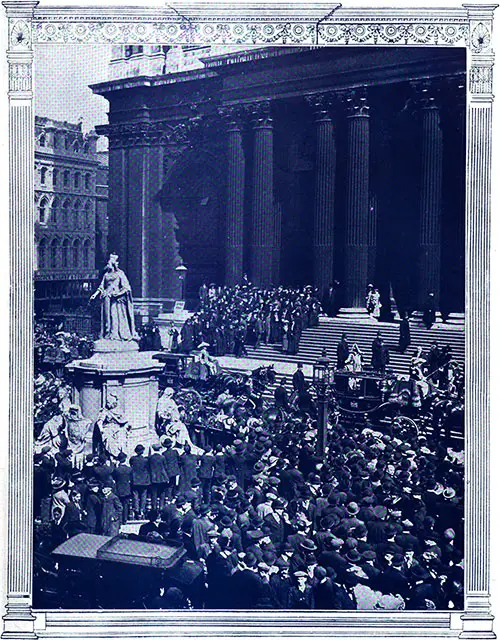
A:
56	141
66	178
66	142
76	147
65	254
87	181
88	214
86	253
54	250
55	207
42	253
42	211
43	175
43	140
86	147
65	211
76	254
76	213
55	175
77	180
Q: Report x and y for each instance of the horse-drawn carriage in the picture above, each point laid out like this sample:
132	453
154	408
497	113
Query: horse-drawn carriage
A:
181	369
401	402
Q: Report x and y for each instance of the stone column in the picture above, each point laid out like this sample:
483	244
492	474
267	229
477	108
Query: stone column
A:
477	619
18	620
357	204
430	209
235	195
454	169
263	235
324	193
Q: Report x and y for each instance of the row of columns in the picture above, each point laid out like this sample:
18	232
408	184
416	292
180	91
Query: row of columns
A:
360	232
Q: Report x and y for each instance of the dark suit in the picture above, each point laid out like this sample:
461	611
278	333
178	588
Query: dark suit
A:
246	588
206	473
281	397
173	470
123	479
159	480
342	353
141	480
299	381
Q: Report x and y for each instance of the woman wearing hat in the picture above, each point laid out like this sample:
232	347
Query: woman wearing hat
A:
60	497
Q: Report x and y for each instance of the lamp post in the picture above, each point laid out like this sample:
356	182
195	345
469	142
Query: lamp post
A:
181	273
321	381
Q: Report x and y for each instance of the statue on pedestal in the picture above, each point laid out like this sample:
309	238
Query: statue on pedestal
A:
117	309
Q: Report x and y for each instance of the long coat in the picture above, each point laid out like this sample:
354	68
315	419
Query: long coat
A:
140	471
111	515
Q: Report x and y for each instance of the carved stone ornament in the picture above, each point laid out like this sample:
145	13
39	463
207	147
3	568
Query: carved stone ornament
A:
356	101
147	133
234	117
480	38
260	113
481	80
19	76
20	35
322	104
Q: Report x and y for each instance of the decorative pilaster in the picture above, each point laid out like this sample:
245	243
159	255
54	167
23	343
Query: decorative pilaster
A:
430	209
357	202
324	194
477	620
235	194
19	621
264	248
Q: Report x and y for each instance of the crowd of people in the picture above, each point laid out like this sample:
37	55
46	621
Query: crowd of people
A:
229	318
375	523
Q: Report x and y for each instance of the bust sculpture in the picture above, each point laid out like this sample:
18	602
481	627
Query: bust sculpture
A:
117	309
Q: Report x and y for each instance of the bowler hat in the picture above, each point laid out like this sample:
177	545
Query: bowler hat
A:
353	556
308	545
353	508
139	448
398	560
195	482
58	483
122	456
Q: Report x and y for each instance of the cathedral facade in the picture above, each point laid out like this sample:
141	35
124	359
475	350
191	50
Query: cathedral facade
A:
294	165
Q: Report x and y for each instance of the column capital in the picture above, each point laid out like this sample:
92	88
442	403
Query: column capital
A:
133	134
427	94
260	114
356	102
234	116
322	104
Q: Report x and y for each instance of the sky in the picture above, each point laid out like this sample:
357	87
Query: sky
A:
62	77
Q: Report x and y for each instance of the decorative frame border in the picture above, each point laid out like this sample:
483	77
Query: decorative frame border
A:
312	25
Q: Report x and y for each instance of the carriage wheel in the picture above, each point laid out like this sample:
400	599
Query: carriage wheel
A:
405	426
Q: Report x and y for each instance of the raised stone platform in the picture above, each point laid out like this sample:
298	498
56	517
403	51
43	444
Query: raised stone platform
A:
129	375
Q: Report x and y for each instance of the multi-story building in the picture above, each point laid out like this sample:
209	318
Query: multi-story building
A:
71	218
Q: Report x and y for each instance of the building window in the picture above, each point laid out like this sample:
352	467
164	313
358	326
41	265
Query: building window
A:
43	140
133	50
77	180
86	252
88	214
76	254
76	147
66	142
53	253
42	211
43	175
65	212
55	207
42	253
55	175
87	181
76	213
65	254
66	178
56	141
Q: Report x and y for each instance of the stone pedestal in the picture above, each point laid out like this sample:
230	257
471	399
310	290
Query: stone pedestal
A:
129	375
